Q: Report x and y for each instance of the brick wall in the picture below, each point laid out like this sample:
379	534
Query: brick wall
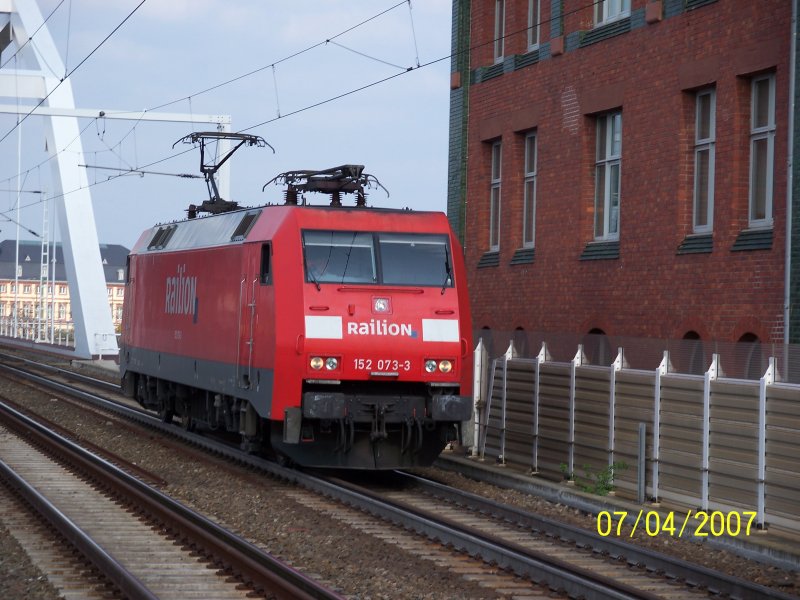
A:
651	73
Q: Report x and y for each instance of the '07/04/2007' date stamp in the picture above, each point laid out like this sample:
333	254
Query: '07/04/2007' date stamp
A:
693	524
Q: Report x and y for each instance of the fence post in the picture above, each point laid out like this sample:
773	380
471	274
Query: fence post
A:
662	370
576	362
767	379
710	375
487	407
616	367
541	358
478	392
641	479
511	352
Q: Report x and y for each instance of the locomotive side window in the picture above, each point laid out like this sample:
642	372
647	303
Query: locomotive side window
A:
415	259
266	270
339	257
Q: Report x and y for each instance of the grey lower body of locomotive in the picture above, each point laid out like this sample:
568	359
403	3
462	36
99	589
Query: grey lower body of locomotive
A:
397	427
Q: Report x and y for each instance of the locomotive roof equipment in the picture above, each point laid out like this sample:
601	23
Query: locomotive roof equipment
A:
215	204
344	179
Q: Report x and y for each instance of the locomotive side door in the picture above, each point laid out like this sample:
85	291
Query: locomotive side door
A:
248	286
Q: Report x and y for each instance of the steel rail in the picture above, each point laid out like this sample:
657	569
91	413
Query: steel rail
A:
262	571
127	583
694	575
66	373
539	568
536	566
677	568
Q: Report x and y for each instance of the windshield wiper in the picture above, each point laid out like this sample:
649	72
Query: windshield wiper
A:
449	274
309	272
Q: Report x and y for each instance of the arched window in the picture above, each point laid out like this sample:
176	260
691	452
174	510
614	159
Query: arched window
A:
521	342
488	341
750	352
693	347
597	348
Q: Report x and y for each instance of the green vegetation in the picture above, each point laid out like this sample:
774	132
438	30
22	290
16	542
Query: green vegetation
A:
595	482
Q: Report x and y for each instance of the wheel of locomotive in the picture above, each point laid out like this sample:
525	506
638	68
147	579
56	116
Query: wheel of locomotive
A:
187	422
284	461
166	414
250	444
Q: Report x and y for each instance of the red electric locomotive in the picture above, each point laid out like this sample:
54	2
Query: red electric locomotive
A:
331	336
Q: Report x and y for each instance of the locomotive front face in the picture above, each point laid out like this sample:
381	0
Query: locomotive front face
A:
384	355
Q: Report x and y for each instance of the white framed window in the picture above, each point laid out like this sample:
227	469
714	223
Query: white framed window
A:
529	199
499	29
494	197
705	126
607	176
606	11
26	289
533	23
762	150
62	311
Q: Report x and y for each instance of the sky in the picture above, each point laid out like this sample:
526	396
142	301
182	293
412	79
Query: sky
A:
167	55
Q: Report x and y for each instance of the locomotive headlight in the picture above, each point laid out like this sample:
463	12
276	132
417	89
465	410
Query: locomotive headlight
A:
331	363
445	366
316	363
430	366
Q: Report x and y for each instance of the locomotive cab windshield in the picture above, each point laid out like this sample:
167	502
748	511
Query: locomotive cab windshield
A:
380	258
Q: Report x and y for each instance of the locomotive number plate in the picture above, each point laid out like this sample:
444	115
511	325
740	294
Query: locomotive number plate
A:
381	364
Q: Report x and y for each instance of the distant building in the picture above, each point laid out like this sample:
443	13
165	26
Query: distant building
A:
627	167
38	298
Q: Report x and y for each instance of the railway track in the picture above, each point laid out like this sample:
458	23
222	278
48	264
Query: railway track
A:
128	530
527	534
582	566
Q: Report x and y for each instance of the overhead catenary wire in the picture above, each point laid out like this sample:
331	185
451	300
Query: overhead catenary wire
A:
33	35
69	28
248	74
275	85
413	32
333	98
280	60
141	172
427	64
368	56
78	66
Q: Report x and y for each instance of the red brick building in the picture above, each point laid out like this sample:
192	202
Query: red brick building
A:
620	167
